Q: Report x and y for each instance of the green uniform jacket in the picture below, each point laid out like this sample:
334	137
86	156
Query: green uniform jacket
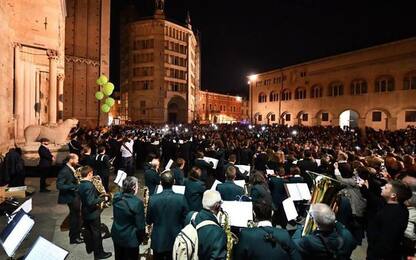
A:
89	198
212	240
129	222
311	246
229	190
194	189
67	185
252	245
166	211
151	180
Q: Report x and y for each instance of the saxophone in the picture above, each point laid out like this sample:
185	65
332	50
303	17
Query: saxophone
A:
146	205
147	251
232	239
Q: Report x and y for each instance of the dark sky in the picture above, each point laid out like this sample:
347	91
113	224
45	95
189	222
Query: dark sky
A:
243	37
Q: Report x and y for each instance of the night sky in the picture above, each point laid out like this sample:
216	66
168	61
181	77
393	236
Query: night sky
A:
244	37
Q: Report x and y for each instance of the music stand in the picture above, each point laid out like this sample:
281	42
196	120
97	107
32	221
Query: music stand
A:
15	232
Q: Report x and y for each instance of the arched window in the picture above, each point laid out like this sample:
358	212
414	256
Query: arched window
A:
300	93
409	81
336	89
384	84
316	91
262	97
358	87
286	95
274	96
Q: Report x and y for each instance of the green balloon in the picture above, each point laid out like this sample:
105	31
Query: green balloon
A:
105	108
108	88
102	80
99	95
110	101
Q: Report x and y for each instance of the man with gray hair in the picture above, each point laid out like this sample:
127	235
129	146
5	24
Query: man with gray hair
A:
212	240
331	240
151	176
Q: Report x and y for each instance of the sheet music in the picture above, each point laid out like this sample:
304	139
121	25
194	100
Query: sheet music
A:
214	186
289	208
44	249
239	212
293	191
318	162
17	234
243	168
121	176
240	183
169	164
304	191
175	188
213	160
298	191
26	206
269	172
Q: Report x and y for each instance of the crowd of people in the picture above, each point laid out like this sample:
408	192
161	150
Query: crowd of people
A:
374	172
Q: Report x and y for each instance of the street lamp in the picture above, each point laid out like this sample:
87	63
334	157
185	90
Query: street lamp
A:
252	78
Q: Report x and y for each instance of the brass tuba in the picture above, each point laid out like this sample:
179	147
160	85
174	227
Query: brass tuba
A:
98	184
325	191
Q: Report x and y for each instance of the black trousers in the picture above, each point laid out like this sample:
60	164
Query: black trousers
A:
43	172
126	253
127	164
92	236
17	180
105	180
162	255
74	218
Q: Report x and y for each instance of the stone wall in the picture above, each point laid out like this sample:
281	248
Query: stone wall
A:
28	28
86	57
396	60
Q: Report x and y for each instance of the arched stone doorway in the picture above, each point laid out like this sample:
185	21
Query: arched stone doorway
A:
286	118
323	118
177	110
271	118
348	118
302	118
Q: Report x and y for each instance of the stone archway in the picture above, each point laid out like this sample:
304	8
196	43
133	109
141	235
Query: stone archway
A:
378	118
271	118
286	118
348	118
177	110
323	118
302	118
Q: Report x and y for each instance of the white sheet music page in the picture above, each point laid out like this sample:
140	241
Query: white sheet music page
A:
175	188
239	212
169	164
243	168
17	235
43	249
289	208
214	186
293	192
304	191
121	175
26	206
213	160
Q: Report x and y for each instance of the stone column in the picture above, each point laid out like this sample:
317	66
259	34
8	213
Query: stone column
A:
61	78
53	61
19	85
